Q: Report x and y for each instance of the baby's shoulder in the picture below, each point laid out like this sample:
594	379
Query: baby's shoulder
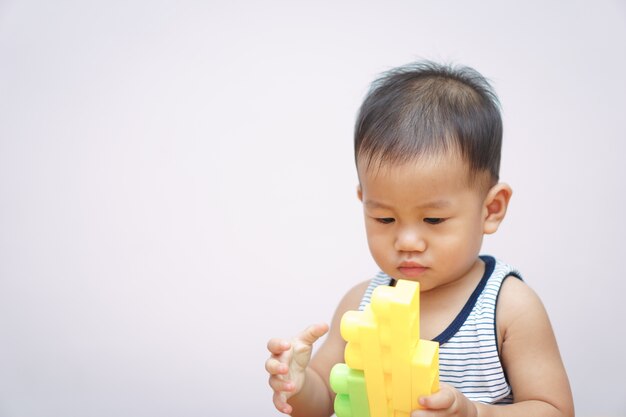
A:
515	294
350	301
353	296
518	305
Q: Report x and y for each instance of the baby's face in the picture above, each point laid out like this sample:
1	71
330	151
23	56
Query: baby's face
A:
423	221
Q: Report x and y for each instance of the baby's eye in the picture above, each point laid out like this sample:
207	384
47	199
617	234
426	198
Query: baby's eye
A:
385	220
434	220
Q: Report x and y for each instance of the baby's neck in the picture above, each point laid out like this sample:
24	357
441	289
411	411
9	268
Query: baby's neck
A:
440	305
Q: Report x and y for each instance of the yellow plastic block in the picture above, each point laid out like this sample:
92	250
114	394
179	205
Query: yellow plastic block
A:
424	371
363	352
397	311
383	342
351	323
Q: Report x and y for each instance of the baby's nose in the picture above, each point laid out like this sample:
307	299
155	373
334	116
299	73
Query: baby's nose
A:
410	240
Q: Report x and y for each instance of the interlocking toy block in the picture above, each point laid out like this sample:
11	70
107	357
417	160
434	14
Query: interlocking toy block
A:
383	342
349	384
397	310
424	371
363	352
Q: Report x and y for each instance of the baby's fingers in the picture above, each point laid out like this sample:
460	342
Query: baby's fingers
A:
275	367
281	403
312	333
277	346
279	384
439	400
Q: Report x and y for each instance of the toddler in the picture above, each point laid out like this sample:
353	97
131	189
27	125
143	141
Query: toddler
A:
427	147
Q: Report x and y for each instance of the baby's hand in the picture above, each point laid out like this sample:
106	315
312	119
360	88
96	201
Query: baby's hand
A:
448	401
287	365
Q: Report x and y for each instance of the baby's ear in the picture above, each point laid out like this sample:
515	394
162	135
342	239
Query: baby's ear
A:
359	192
495	206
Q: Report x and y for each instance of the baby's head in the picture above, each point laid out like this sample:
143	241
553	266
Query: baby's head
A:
426	110
427	148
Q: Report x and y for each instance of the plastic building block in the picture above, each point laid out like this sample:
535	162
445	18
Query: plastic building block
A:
349	384
424	371
383	342
397	310
363	352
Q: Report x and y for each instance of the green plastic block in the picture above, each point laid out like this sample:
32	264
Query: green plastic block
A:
349	384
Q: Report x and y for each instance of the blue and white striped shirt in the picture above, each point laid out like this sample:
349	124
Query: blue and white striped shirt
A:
468	350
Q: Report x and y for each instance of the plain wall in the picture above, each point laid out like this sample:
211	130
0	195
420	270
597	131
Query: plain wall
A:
177	186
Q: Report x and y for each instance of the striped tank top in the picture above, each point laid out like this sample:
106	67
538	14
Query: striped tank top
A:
468	351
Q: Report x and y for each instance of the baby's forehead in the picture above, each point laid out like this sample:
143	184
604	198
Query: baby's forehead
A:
433	169
386	164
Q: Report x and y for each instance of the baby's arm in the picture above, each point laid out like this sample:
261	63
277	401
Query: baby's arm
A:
301	387
530	357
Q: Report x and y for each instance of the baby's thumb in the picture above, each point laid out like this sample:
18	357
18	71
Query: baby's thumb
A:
312	333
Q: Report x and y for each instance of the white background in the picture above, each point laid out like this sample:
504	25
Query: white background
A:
177	186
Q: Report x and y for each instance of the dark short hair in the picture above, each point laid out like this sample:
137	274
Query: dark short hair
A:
428	108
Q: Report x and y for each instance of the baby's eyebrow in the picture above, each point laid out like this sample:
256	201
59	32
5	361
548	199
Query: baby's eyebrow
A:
376	204
435	204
